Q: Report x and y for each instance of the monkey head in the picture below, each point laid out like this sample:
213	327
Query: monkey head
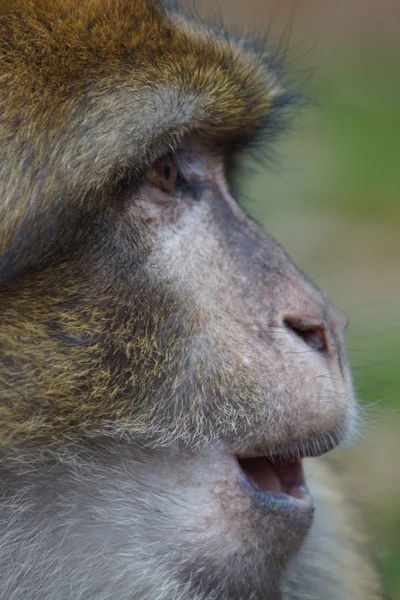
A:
150	329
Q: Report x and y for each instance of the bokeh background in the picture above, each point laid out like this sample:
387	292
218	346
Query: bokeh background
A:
331	194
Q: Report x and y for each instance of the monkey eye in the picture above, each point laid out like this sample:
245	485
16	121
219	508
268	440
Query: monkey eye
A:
164	173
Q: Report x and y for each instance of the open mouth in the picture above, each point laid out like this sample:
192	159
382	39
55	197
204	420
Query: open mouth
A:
275	481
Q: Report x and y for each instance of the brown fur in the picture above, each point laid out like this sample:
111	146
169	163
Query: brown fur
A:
165	332
72	76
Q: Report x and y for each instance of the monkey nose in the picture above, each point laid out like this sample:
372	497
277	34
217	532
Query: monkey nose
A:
312	332
322	334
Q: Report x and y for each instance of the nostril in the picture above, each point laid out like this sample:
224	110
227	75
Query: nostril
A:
313	334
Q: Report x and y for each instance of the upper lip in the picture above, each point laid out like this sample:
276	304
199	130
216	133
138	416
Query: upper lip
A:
296	449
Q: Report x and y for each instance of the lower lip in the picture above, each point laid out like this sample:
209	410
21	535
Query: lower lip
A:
279	502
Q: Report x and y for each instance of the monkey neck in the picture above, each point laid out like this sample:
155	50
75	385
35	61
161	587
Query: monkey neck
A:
97	514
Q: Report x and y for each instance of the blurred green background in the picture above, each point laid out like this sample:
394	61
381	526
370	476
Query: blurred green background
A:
331	195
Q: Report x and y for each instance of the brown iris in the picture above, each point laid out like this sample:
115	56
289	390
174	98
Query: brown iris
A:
163	174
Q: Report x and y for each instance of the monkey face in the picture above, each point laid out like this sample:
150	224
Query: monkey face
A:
243	355
150	326
193	347
249	325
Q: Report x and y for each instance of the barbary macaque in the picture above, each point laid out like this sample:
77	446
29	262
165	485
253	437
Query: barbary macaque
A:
168	377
